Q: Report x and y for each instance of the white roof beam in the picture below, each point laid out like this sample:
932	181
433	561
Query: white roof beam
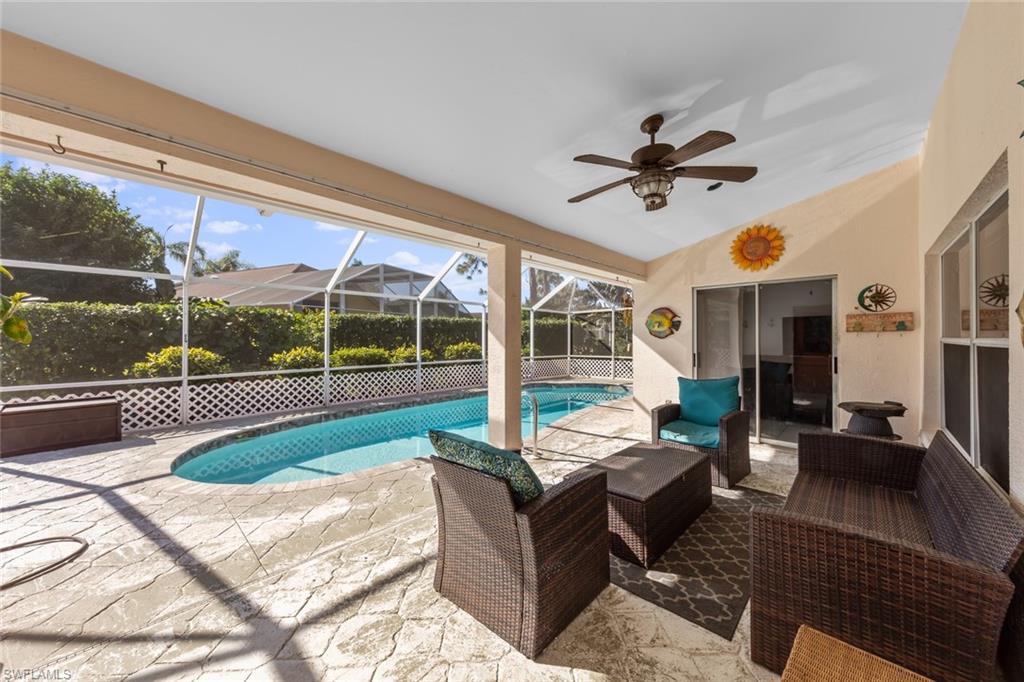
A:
551	294
350	253
456	257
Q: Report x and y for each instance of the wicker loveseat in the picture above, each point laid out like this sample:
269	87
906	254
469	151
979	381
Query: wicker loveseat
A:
525	572
905	553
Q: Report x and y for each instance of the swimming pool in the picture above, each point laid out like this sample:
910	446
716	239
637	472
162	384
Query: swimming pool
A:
329	445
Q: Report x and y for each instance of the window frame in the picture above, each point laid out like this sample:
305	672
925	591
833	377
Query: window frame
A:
972	451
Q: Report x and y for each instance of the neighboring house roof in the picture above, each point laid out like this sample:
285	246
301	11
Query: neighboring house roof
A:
249	287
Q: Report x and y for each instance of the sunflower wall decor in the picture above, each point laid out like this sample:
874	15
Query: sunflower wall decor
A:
758	247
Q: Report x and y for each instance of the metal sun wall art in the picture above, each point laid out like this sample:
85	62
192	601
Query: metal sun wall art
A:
995	291
758	247
877	299
663	323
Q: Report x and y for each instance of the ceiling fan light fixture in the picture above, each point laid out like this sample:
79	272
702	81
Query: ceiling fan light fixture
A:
658	164
653	187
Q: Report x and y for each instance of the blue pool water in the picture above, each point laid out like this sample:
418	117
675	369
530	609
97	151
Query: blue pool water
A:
337	446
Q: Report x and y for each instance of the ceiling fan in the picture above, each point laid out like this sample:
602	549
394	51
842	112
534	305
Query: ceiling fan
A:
657	165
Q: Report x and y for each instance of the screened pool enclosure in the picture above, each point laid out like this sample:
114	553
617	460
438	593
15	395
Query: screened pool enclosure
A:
193	309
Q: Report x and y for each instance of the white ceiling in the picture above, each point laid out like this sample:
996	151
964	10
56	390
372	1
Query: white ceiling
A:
493	101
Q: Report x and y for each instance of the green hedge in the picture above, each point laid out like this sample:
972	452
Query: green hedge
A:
465	350
363	355
300	357
167	363
87	341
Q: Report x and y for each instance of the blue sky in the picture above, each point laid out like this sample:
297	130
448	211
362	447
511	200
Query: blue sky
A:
264	240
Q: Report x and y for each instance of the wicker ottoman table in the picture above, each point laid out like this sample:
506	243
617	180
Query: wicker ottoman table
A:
654	494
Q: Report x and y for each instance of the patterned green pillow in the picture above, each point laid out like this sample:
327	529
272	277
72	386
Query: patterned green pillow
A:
490	460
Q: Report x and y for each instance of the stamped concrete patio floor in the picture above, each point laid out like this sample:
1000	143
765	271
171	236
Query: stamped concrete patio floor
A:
331	580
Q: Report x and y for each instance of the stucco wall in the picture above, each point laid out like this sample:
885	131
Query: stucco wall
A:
861	232
977	120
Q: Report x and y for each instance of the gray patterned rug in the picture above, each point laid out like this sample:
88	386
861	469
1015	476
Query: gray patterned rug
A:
705	576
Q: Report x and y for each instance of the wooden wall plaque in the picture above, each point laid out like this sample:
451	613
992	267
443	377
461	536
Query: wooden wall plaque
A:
880	322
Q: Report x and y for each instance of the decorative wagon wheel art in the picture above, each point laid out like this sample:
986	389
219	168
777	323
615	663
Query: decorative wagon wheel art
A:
995	291
876	298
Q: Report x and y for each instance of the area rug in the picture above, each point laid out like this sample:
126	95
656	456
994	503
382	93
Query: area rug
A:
705	576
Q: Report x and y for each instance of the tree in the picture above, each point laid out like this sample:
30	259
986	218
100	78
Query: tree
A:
539	282
229	262
179	252
57	218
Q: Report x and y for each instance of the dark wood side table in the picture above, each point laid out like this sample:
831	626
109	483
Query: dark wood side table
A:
872	419
654	494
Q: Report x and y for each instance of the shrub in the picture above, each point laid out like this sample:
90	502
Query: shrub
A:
404	354
464	350
108	337
300	357
167	363
363	355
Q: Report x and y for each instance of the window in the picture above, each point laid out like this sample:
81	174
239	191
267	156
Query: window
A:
975	348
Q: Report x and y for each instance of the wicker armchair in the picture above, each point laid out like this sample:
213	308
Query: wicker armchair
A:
902	552
524	573
730	461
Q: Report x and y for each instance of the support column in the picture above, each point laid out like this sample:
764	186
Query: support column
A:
533	349
504	352
613	343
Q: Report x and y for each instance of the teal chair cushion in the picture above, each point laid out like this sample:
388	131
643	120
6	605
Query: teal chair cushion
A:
705	401
688	433
489	460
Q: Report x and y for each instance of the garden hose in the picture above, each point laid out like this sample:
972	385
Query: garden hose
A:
52	566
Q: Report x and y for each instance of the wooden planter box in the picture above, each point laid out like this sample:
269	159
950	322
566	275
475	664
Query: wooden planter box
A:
33	427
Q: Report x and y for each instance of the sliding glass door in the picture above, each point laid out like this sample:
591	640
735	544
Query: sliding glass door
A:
778	338
726	340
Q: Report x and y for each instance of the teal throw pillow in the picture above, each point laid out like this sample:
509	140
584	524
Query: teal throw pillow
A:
705	401
489	460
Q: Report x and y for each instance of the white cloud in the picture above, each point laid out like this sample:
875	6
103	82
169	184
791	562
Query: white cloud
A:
231	226
215	249
403	259
329	227
178	218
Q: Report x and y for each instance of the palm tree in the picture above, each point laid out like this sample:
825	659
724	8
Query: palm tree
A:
229	262
179	252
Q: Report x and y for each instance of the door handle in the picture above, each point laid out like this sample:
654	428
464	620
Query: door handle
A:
835	364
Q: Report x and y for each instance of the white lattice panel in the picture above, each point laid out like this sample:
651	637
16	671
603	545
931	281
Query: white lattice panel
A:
223	398
441	377
351	385
146	407
624	368
549	368
591	367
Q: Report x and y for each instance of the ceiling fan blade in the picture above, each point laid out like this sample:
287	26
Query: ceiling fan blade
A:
727	173
604	161
602	188
702	144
